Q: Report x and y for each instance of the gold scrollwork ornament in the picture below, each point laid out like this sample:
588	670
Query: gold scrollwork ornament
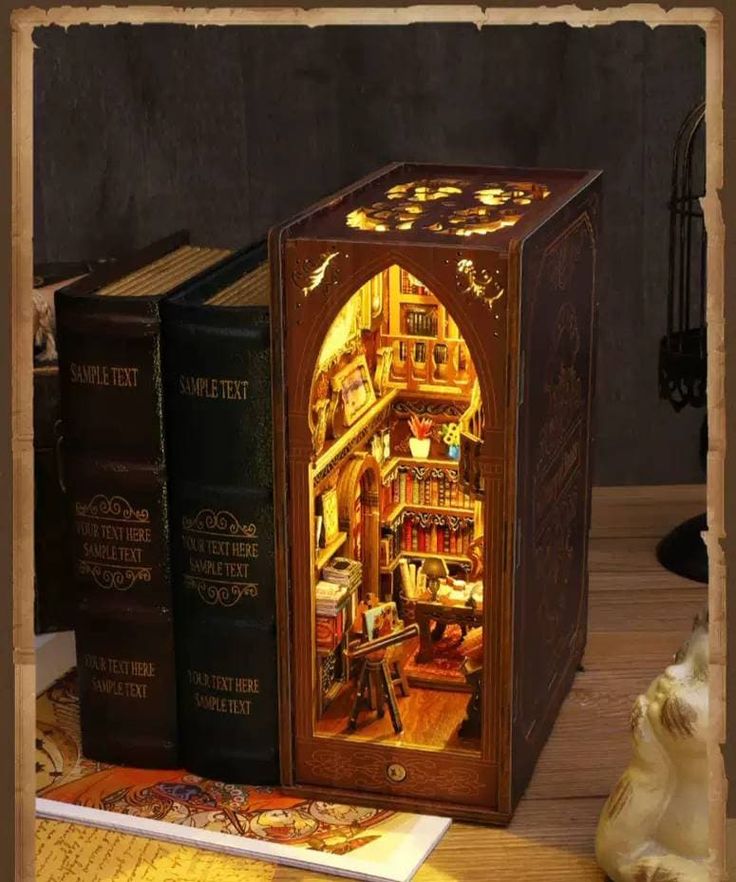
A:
479	283
310	274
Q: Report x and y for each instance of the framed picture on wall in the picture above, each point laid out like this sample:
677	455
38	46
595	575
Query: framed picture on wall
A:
319	434
355	389
330	517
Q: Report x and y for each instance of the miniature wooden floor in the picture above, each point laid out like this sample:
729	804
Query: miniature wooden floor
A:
431	718
639	614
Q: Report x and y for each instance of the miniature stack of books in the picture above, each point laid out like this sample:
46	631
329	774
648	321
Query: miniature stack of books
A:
335	600
330	611
329	597
343	571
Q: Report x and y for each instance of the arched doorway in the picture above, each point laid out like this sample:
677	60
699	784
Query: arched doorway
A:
393	390
358	506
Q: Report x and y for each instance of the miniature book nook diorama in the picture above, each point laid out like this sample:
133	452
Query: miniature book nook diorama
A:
434	338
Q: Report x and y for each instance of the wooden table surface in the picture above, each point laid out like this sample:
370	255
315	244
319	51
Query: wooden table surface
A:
639	614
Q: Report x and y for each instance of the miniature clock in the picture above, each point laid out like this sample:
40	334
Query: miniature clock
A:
429	642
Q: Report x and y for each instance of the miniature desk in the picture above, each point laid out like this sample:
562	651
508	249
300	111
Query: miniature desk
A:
427	611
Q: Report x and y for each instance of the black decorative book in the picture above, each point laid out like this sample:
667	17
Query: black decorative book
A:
217	377
54	596
108	326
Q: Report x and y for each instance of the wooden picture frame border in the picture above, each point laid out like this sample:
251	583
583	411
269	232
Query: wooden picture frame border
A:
17	676
358	363
330	514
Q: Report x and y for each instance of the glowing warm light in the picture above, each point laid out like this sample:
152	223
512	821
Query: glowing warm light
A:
426	190
343	330
479	281
359	220
318	273
478	221
443	206
519	193
491	196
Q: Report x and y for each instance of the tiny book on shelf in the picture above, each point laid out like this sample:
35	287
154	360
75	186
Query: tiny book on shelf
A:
114	464
217	381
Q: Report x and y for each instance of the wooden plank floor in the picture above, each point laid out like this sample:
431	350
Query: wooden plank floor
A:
638	616
430	717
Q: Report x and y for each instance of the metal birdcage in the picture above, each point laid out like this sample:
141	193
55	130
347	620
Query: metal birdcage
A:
683	350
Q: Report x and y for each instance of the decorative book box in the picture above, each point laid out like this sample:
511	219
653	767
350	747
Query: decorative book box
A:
434	350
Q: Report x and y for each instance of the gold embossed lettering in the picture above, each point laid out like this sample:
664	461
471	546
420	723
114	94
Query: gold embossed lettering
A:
219	549
119	688
246	684
119	670
227	703
114	538
103	375
213	387
245	549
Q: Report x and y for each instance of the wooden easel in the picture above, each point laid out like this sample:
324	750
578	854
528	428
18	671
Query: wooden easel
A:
375	685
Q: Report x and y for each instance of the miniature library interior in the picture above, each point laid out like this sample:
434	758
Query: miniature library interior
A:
396	529
434	435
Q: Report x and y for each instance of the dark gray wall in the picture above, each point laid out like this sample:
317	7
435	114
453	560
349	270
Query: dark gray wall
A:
142	130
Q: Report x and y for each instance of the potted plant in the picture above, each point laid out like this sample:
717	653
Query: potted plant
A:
420	430
450	433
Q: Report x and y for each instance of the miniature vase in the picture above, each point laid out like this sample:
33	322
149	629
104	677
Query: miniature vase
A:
419	447
654	824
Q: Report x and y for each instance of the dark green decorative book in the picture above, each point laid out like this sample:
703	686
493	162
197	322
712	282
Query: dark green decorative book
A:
217	381
109	342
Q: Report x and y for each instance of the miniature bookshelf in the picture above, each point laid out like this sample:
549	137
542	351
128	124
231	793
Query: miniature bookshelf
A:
423	508
429	355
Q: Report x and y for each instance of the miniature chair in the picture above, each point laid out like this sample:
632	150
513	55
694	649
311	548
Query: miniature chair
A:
379	672
472	667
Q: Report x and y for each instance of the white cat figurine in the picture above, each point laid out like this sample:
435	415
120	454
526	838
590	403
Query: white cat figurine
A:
654	825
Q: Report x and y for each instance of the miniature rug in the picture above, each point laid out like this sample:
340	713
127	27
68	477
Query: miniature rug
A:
176	805
444	669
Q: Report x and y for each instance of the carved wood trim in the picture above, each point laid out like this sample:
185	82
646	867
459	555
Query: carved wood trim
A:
464	780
